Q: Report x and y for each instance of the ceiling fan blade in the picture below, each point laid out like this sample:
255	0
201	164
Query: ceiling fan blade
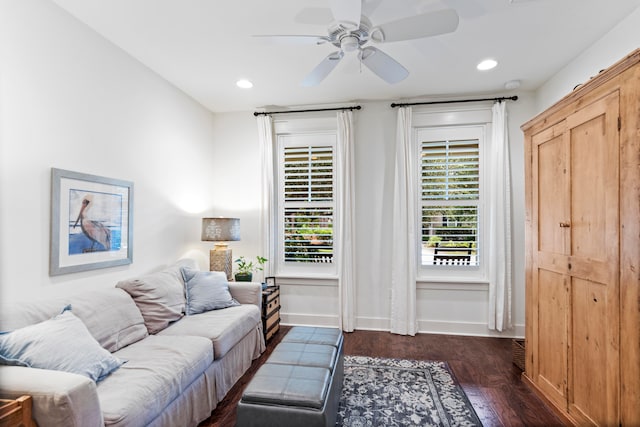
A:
370	6
347	12
384	66
323	69
314	16
294	39
416	27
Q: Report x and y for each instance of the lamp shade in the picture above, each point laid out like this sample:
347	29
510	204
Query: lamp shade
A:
220	229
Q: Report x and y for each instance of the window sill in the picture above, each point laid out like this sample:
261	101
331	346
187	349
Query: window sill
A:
452	285
307	280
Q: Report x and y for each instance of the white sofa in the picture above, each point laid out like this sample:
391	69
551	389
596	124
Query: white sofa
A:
178	367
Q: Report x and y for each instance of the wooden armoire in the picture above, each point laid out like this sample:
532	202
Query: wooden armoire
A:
582	167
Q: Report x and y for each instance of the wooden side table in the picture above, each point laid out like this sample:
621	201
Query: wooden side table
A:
16	413
270	311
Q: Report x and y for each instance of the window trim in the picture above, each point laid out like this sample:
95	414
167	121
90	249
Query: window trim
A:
432	118
322	127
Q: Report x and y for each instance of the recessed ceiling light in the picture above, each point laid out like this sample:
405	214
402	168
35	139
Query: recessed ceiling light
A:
244	84
487	64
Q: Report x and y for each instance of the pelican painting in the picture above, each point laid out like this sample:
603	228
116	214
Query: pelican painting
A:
96	232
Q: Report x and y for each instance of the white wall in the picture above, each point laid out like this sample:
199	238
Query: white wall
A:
237	187
612	47
442	308
71	100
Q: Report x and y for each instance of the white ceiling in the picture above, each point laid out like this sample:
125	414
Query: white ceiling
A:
204	46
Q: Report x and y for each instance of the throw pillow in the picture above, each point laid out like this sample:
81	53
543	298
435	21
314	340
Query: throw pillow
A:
62	343
206	290
159	297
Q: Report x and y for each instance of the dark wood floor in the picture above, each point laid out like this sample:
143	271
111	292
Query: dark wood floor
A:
483	366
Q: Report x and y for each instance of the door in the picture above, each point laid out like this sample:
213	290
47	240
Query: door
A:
550	278
593	263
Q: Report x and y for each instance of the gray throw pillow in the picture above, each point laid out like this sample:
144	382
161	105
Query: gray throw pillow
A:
159	297
61	344
206	290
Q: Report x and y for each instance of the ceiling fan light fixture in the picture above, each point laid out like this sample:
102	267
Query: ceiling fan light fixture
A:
349	43
244	84
487	64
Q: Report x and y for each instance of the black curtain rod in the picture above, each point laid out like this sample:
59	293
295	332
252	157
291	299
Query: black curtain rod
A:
265	113
453	101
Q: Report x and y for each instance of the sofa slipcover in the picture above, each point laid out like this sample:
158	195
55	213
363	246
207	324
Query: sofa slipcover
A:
175	377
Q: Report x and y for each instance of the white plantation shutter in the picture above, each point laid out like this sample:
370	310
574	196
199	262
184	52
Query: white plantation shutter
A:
450	170
308	202
450	195
308	174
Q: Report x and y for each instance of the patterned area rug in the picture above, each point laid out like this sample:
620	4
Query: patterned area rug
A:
395	392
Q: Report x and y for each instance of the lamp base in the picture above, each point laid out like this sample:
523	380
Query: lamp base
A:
220	260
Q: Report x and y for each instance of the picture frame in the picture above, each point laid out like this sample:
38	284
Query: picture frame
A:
270	281
91	222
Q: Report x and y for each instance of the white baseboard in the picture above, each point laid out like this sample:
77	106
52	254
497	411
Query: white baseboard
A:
298	319
467	328
424	326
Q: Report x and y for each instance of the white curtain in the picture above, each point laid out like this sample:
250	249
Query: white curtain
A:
500	284
346	223
403	254
265	138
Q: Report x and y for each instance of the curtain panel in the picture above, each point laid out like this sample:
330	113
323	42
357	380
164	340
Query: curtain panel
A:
346	223
403	258
265	138
500	246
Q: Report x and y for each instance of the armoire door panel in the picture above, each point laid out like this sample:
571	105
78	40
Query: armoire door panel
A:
552	335
594	174
550	159
593	391
588	191
593	381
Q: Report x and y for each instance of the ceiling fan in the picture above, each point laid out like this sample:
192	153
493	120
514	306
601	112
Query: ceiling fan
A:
352	32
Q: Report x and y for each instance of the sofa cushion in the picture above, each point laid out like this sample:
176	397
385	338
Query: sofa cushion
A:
159	296
206	290
109	314
60	344
225	328
159	368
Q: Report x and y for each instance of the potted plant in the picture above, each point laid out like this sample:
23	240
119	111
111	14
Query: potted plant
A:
245	270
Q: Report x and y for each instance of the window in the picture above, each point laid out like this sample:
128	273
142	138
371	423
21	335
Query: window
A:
450	197
306	203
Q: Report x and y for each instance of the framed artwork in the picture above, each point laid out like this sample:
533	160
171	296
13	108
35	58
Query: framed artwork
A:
91	222
270	281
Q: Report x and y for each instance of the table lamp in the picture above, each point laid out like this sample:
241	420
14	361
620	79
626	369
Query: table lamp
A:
221	231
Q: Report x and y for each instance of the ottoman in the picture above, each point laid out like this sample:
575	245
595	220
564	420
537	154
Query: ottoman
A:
288	396
319	335
299	385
